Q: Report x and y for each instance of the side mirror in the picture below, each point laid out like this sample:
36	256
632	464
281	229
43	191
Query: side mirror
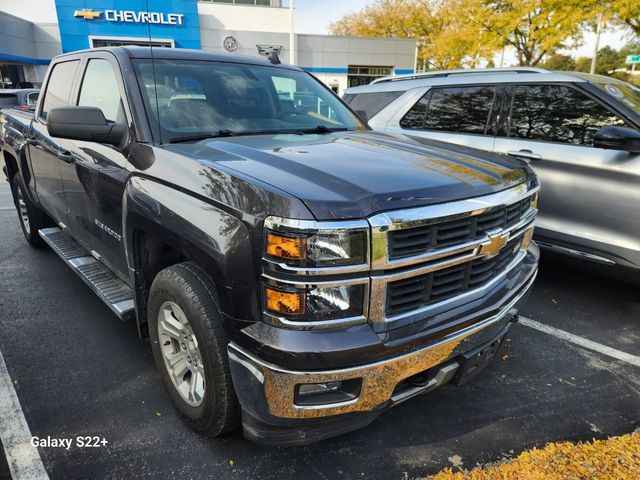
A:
84	123
617	138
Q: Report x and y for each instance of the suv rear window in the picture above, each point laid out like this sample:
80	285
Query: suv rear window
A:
370	103
452	109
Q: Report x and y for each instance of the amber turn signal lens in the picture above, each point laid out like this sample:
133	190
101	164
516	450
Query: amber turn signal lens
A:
526	238
291	248
290	303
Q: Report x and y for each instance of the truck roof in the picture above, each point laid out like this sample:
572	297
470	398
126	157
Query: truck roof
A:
184	54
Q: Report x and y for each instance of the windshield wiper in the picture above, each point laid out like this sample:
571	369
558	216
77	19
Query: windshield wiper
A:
321	129
202	136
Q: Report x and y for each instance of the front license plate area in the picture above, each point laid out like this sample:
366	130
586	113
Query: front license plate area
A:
474	361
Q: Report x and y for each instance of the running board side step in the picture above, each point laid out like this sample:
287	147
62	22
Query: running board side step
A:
113	291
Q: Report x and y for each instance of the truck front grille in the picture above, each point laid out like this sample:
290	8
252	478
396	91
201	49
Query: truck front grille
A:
424	290
423	239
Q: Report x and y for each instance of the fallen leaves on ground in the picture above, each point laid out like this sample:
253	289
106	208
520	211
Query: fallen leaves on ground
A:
617	458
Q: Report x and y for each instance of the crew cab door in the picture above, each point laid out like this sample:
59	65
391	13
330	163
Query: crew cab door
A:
588	195
44	150
94	177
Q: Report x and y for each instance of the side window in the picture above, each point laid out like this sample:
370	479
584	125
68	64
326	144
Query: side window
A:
461	109
414	118
454	109
371	103
58	88
556	113
32	99
100	89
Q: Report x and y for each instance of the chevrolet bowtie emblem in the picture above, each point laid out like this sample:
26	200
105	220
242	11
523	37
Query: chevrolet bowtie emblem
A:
492	247
87	14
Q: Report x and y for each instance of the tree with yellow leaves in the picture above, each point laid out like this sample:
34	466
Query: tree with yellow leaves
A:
454	33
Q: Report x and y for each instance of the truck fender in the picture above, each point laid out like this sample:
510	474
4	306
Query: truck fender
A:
198	231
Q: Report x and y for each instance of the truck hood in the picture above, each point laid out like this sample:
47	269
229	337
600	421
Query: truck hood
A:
356	174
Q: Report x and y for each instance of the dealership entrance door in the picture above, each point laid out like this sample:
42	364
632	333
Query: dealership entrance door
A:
97	42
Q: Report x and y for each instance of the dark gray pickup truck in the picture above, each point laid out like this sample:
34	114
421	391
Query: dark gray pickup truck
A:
294	270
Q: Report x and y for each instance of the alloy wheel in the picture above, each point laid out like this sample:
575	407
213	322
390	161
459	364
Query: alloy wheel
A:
181	353
22	210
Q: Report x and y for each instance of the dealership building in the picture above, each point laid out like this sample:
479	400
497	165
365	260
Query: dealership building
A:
247	27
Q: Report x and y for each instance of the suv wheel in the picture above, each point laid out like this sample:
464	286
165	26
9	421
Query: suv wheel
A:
190	348
31	219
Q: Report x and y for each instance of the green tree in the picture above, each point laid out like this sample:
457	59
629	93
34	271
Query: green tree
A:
559	62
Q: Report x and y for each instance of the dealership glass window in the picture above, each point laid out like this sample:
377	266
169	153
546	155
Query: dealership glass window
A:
557	113
58	88
363	74
100	89
453	109
370	103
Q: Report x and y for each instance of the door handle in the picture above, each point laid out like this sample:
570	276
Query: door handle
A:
66	157
32	141
524	154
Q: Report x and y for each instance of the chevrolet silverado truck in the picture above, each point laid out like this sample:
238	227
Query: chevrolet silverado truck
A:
293	270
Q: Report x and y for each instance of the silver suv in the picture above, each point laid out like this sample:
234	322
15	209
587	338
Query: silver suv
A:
581	134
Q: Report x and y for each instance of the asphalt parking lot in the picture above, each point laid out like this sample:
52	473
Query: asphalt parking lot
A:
78	370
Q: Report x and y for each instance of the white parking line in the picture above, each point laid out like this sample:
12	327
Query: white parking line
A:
582	342
23	458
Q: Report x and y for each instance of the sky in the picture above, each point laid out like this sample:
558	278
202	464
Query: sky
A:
312	16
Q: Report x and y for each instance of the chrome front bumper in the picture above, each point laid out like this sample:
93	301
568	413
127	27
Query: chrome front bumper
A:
267	391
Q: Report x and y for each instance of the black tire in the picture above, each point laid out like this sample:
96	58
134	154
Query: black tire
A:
36	218
188	286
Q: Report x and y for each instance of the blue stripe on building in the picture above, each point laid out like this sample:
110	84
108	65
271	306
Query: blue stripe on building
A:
6	57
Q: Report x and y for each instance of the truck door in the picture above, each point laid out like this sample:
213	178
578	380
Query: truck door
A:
44	151
94	179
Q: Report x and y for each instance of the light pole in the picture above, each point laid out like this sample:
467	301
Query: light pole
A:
292	34
594	60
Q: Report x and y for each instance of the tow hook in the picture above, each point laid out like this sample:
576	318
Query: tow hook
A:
513	313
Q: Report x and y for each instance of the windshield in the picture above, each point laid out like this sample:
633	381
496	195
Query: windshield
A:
192	99
624	93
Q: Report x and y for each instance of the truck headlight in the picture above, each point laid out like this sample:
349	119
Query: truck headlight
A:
315	303
306	243
313	271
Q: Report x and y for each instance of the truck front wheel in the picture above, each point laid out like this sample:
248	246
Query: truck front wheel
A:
190	348
31	219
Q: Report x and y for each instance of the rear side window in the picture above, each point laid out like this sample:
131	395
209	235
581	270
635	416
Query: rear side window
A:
556	113
32	99
100	89
59	86
7	99
370	103
454	109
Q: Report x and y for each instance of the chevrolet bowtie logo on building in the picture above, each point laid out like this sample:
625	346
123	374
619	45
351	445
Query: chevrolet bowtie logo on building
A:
87	14
131	16
492	247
